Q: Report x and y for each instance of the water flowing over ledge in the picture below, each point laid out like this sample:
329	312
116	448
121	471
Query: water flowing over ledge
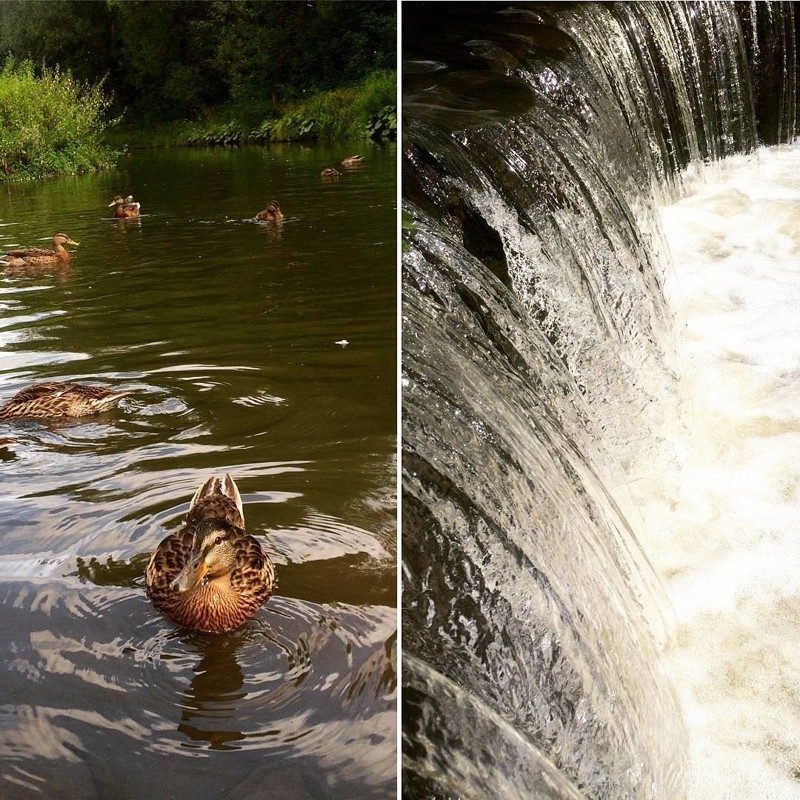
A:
542	377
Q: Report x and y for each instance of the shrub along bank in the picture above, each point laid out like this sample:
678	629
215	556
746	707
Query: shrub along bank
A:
49	123
366	110
53	124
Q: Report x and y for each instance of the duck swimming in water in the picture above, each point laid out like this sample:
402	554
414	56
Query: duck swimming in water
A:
272	213
34	256
59	400
330	173
211	575
125	207
353	161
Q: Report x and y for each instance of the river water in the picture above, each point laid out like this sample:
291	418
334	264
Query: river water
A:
263	350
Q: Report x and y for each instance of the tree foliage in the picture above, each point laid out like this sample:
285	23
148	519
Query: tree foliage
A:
173	60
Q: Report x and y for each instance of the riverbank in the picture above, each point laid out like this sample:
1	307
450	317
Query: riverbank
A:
367	110
55	125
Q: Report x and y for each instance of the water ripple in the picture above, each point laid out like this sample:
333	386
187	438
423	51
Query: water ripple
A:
180	690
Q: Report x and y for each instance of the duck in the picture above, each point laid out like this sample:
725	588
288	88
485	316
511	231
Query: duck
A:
330	173
60	400
211	575
33	256
125	207
272	213
353	161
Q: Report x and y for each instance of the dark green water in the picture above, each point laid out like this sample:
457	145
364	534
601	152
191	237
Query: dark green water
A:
229	333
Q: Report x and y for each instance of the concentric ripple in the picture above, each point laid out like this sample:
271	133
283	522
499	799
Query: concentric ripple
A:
223	335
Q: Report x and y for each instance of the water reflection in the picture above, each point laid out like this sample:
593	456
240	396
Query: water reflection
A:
60	271
310	656
210	702
273	231
226	331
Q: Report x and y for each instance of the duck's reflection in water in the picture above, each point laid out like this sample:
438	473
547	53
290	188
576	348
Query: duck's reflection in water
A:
210	702
211	705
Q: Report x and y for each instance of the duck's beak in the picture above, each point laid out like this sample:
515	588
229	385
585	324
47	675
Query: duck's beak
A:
112	203
190	575
76	244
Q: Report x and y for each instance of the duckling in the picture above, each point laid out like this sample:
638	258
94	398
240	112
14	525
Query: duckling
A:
353	161
125	207
211	575
33	256
330	173
60	400
272	213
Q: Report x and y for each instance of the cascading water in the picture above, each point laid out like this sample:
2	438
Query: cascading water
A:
541	376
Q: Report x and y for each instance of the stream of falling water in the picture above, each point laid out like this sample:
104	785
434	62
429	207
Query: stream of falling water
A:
726	539
547	368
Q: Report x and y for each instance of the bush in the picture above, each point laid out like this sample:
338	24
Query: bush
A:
49	123
368	109
341	113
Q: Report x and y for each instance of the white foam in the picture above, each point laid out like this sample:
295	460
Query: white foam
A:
725	534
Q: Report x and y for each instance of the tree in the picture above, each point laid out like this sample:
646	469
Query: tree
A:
175	60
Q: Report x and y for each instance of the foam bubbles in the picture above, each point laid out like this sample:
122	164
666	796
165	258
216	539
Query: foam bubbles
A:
728	542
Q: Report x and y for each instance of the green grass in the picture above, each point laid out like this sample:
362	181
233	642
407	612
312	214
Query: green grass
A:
50	124
339	114
366	110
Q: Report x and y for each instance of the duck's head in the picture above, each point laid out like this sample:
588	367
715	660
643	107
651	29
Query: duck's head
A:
119	200
62	239
213	555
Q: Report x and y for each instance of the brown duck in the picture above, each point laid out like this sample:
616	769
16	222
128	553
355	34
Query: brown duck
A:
57	400
353	161
211	575
272	213
329	173
125	207
34	256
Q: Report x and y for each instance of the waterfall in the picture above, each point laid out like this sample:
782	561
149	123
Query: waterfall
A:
540	378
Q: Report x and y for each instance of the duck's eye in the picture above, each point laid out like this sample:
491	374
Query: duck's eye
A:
218	541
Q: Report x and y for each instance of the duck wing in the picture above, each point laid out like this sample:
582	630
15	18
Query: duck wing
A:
253	577
39	390
97	396
61	398
165	563
28	252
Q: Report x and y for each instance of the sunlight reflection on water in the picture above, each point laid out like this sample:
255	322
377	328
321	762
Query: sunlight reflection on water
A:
224	333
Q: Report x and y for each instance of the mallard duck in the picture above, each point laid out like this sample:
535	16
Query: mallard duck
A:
31	256
125	207
272	213
330	173
211	575
57	400
353	161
